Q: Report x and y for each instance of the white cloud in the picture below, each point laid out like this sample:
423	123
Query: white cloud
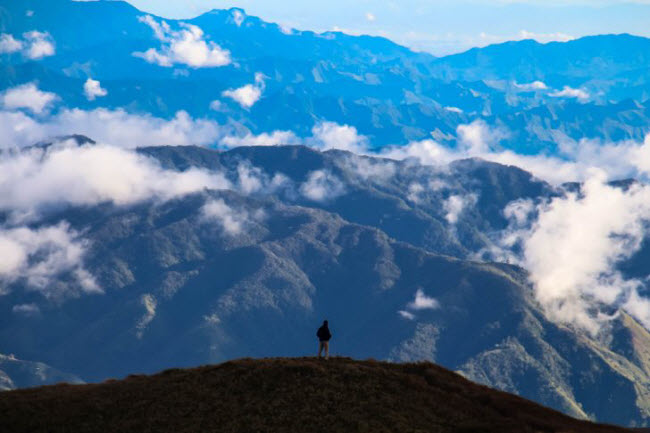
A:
34	45
38	45
423	302
330	135
93	89
33	181
231	221
375	169
484	38
454	109
265	139
238	17
116	127
531	87
575	162
216	105
150	304
568	92
250	178
321	186
26	309
414	191
286	29
185	46
41	256
9	45
325	136
370	17
29	13
572	250
49	260
478	137
544	37
455	205
474	140
247	95
28	96
427	152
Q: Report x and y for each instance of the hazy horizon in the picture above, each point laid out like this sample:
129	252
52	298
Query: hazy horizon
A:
438	27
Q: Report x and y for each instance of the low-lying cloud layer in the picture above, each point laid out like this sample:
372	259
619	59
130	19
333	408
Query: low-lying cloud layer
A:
576	162
28	97
33	181
115	127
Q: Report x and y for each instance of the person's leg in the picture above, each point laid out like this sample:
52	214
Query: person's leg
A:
320	348
327	350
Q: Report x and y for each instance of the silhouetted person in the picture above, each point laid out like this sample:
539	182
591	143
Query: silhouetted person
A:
324	336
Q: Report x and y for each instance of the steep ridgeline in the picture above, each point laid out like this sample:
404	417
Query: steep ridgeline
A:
285	395
388	92
301	236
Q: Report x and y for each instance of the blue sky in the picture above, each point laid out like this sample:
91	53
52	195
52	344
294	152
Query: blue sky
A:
437	26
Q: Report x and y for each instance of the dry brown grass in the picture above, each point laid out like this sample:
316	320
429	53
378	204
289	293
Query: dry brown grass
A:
284	395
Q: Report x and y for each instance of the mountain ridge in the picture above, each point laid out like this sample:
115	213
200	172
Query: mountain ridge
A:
284	394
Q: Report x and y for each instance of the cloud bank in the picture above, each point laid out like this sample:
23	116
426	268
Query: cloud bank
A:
573	246
116	127
185	46
575	162
28	97
34	181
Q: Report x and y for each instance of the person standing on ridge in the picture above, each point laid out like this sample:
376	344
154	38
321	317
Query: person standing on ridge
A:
324	336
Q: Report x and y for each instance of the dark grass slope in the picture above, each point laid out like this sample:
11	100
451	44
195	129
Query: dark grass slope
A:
284	395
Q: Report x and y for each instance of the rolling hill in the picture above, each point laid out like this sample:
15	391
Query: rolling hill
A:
284	395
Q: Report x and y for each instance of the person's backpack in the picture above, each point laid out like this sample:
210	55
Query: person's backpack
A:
323	334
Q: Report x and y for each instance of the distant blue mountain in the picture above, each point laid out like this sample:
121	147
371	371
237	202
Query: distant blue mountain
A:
390	93
603	56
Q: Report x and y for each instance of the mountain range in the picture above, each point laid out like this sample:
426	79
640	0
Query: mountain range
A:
249	271
138	255
391	94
